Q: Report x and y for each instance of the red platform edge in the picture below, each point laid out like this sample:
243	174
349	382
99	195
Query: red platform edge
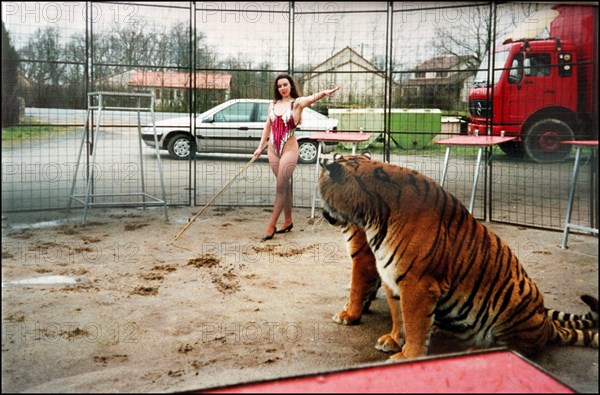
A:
491	371
345	137
475	141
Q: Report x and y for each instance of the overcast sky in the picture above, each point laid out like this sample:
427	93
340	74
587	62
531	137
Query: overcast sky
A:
258	30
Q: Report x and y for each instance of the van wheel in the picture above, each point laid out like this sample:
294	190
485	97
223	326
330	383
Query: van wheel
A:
307	151
542	141
180	147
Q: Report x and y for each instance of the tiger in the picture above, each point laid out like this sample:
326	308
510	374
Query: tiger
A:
439	265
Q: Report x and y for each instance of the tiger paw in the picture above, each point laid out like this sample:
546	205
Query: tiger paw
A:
397	357
345	318
386	343
409	352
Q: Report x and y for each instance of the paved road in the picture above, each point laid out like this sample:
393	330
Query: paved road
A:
38	174
77	117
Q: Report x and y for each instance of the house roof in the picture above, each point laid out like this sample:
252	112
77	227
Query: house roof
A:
443	63
451	64
344	57
171	79
450	80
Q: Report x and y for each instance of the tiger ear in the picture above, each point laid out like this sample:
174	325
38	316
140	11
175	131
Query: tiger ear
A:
335	170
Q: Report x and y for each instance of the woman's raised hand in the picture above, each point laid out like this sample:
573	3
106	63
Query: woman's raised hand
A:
329	92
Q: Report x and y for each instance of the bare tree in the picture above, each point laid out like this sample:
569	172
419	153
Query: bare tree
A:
75	52
469	35
475	29
43	57
133	43
42	61
179	42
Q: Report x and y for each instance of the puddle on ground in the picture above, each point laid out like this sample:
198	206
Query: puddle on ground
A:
38	225
43	280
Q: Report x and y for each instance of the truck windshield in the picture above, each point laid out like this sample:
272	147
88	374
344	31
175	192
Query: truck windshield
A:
481	79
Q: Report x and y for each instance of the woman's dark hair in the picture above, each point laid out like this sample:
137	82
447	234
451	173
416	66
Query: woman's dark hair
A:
294	92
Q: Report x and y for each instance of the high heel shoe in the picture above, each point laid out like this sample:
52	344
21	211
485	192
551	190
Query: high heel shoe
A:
269	236
286	229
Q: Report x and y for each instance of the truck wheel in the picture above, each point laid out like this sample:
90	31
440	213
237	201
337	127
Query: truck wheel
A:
512	149
307	151
542	141
180	147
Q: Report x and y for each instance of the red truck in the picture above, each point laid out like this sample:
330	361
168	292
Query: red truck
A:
541	90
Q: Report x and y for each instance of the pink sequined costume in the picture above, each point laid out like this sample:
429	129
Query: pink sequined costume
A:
282	128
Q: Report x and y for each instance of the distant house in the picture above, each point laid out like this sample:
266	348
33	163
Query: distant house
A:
361	81
172	88
443	79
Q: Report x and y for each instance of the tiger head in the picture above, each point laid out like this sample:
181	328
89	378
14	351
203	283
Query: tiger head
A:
350	189
357	190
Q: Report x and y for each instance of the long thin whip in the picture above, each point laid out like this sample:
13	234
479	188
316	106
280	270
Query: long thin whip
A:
212	200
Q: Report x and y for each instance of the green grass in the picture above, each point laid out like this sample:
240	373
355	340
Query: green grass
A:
19	133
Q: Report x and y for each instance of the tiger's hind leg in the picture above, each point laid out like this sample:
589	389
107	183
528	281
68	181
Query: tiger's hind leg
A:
392	342
365	279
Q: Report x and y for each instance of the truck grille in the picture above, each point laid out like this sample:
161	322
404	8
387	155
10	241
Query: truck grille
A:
479	108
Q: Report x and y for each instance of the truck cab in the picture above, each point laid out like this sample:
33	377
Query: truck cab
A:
539	90
535	91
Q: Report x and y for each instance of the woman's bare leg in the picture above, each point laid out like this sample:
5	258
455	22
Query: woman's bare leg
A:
274	164
283	168
287	207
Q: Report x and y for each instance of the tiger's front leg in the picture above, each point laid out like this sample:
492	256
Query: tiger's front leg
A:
392	342
365	279
418	298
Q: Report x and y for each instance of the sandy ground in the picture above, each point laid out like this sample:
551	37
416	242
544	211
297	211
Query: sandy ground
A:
220	306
